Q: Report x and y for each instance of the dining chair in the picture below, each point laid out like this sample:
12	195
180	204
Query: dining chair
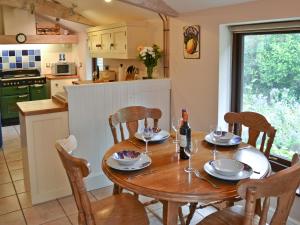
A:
257	125
121	209
281	186
131	116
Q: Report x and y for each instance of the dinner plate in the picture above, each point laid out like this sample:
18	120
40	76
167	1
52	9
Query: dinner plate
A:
160	136
244	174
144	162
235	140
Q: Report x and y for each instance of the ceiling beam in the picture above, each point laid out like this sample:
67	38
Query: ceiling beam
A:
158	6
49	8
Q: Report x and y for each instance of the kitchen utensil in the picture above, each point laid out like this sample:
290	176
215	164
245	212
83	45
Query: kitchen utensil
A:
198	174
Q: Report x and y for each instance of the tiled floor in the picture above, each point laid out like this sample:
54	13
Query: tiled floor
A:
15	205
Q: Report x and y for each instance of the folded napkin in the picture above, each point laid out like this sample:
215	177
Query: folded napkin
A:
69	143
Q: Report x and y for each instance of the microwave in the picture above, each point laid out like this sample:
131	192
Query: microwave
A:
63	68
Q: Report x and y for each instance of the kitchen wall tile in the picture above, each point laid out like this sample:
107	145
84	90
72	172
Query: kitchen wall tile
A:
18	52
19	59
37	52
5	59
32	64
25	58
24	52
37	58
12	59
1	66
31	58
12	53
19	65
1	59
12	65
4	53
5	66
30	52
37	64
25	65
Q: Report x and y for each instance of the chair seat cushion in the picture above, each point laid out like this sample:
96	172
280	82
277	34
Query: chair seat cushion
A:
230	216
119	209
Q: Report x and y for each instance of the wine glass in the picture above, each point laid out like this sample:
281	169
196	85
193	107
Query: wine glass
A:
215	133
191	150
147	134
175	127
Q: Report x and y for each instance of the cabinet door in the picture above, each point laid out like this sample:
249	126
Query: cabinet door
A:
93	42
38	92
119	40
9	107
105	40
58	85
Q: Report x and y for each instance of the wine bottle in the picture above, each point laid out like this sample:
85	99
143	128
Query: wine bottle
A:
185	136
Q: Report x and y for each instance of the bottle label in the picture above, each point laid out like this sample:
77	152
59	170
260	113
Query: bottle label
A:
183	141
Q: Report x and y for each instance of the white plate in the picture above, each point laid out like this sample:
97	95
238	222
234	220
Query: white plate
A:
160	136
244	174
227	167
233	141
144	162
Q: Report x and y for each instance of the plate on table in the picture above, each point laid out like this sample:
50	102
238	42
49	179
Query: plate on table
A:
244	174
142	163
158	137
235	140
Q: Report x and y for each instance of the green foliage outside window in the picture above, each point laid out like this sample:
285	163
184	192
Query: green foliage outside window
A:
271	86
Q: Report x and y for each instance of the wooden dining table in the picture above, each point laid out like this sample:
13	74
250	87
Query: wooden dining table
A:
166	180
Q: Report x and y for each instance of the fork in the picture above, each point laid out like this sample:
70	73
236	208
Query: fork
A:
198	174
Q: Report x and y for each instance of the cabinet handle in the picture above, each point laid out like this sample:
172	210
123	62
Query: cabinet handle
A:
22	96
111	45
98	46
56	84
37	85
21	87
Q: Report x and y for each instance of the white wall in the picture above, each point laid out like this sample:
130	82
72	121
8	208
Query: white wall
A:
195	82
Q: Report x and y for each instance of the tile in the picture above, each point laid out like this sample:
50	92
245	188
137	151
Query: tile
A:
4	52
17	174
1	66
25	65
13	156
37	52
32	64
5	178
5	66
31	58
206	211
18	52
1	59
24	52
9	204
14	165
30	52
74	219
11	53
37	58
12	65
62	221
25	200
69	204
2	160
12	59
43	213
6	190
25	58
20	186
102	192
14	218
5	59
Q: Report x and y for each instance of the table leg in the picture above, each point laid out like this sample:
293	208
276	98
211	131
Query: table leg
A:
117	189
170	212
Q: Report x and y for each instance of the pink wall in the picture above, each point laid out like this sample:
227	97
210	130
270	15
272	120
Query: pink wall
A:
195	81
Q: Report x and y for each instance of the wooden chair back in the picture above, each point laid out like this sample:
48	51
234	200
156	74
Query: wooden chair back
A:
130	116
281	185
257	124
77	169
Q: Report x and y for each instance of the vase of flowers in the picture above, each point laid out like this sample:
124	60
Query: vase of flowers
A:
150	57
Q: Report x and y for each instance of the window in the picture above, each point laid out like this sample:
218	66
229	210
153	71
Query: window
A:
266	79
97	62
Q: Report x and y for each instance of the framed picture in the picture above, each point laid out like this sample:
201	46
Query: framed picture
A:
191	42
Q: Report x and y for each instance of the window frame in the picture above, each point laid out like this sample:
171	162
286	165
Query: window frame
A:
277	163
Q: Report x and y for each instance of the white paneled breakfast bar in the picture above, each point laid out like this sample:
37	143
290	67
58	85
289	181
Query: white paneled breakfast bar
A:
84	114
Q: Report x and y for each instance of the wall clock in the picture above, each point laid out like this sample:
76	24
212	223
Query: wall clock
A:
21	38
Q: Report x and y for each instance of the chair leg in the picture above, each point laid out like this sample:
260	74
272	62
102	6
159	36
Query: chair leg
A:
193	207
180	214
117	189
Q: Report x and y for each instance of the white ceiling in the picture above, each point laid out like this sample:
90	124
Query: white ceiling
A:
101	12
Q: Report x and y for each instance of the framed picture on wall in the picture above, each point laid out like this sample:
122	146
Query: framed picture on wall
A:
191	42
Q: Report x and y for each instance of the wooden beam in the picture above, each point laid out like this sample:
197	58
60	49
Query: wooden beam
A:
41	39
158	6
49	8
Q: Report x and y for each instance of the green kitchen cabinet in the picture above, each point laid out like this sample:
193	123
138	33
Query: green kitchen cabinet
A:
38	92
18	90
9	107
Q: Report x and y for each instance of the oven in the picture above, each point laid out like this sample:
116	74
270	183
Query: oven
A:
18	86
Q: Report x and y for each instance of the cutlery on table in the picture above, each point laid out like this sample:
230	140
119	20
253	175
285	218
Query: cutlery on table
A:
198	174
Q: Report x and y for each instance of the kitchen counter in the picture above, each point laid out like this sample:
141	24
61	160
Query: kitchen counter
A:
60	77
42	107
79	82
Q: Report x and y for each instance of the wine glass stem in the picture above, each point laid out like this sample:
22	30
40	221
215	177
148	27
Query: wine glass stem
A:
146	147
190	162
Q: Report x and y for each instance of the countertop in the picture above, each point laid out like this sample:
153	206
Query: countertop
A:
42	107
55	77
